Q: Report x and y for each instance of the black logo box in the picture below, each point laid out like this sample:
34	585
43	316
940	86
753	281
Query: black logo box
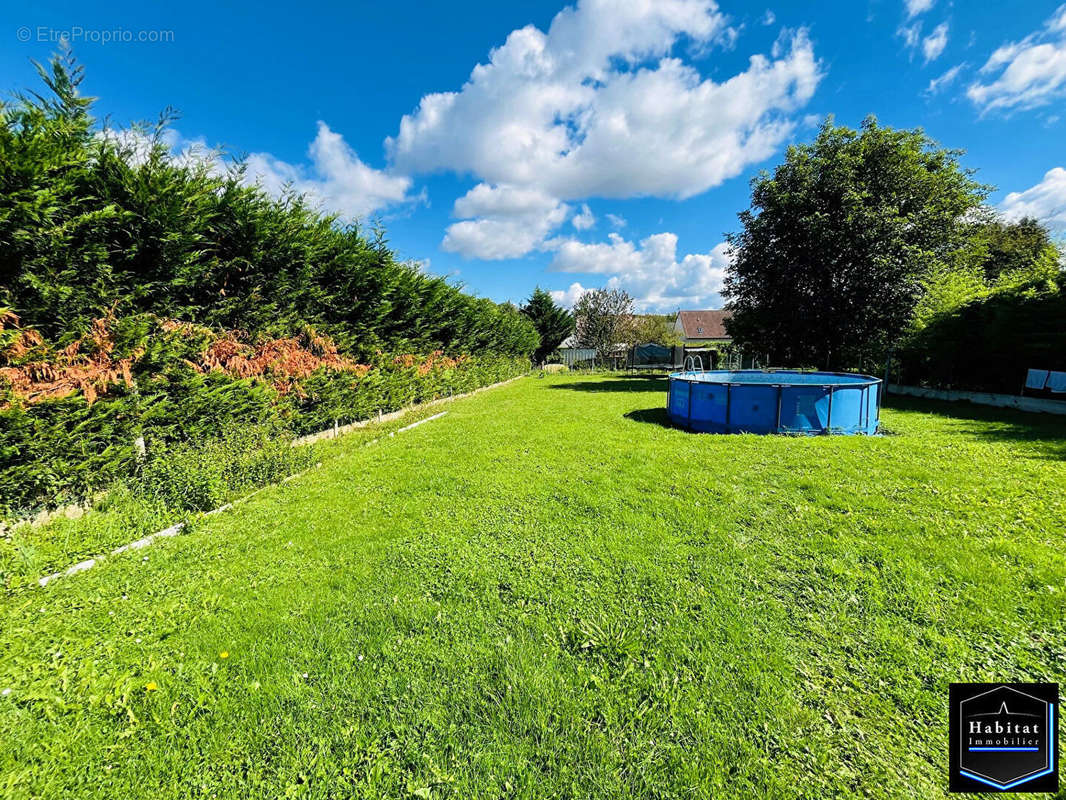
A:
1003	737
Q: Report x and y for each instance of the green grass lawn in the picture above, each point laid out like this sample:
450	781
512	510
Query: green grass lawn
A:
549	592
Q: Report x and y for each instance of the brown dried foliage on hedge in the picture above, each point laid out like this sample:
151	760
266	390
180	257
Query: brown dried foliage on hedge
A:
69	370
89	365
435	360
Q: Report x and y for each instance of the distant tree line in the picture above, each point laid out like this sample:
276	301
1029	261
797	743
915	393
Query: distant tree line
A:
866	249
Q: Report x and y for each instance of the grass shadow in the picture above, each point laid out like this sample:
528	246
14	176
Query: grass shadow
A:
991	424
647	383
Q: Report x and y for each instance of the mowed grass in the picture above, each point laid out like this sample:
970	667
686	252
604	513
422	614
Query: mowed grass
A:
549	592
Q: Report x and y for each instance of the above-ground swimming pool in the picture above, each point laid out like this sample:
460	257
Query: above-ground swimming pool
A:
774	401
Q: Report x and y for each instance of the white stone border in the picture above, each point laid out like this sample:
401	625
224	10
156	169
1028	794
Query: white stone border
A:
329	433
340	430
137	544
1034	404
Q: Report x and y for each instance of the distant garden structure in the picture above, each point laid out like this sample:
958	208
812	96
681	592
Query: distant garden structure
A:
666	342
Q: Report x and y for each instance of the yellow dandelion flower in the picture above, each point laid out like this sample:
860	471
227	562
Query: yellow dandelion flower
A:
150	686
224	654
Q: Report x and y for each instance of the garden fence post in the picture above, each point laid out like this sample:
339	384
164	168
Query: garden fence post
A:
139	446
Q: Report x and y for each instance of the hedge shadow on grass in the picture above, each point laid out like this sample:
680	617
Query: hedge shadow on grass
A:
1006	425
634	384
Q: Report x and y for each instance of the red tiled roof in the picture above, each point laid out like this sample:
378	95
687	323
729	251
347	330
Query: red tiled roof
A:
705	324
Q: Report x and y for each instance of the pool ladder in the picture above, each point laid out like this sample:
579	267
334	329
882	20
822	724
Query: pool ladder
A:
693	361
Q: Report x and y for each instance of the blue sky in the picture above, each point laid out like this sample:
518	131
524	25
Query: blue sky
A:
602	143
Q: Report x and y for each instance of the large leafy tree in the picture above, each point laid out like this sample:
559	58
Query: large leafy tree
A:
553	323
604	319
997	256
831	256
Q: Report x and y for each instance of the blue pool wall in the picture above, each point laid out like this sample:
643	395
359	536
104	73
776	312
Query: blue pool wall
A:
775	401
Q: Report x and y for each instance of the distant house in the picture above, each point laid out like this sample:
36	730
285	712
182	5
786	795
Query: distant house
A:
702	328
704	336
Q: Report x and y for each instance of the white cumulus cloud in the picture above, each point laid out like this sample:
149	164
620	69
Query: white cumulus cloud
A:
585	220
1026	74
569	296
650	271
507	221
599	106
335	180
1046	201
136	145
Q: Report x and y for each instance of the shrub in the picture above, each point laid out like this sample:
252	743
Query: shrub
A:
988	343
202	475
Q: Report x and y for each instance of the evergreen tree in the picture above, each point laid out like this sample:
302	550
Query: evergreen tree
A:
93	220
553	323
998	247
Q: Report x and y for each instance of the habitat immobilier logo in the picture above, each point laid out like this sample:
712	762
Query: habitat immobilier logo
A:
1004	737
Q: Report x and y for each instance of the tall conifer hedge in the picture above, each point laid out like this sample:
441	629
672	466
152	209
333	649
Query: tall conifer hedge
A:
96	224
